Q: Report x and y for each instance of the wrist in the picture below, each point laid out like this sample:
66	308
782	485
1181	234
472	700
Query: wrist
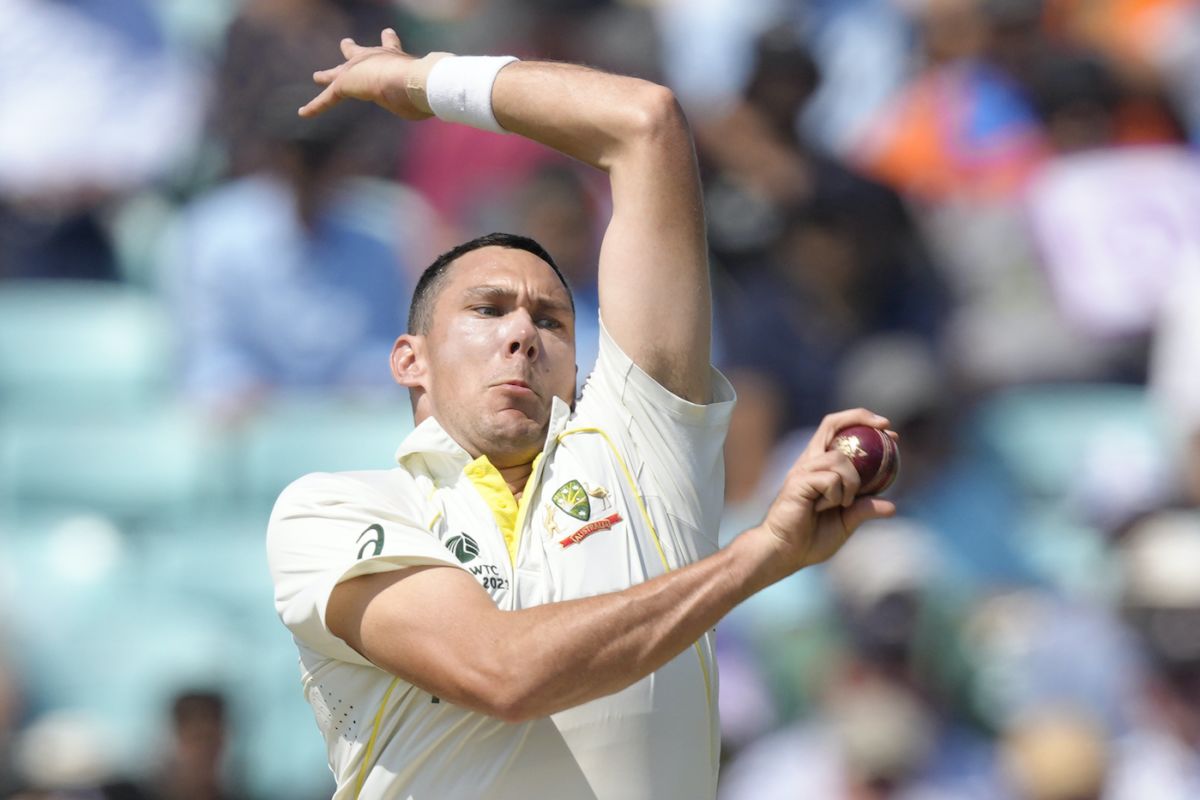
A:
416	84
759	560
459	89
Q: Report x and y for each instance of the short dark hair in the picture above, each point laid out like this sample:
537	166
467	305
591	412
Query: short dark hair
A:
420	312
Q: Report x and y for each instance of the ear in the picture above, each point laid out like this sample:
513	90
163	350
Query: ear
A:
408	361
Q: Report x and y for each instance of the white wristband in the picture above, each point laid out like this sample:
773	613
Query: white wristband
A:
459	89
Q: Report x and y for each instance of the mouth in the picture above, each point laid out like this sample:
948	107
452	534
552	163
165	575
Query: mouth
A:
518	386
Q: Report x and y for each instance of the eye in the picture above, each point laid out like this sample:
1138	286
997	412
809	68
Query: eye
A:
549	323
486	311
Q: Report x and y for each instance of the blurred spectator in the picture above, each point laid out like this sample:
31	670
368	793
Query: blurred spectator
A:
1056	754
1160	756
194	767
1097	213
961	127
10	711
273	44
870	742
967	504
468	175
83	127
292	277
882	727
862	48
63	755
708	48
1148	44
1032	650
282	282
1174	379
818	258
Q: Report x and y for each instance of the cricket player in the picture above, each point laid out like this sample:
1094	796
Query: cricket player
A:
524	607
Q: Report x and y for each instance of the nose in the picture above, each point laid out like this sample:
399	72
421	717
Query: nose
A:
523	335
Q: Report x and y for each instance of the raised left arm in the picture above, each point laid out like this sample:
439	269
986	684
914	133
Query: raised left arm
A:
653	278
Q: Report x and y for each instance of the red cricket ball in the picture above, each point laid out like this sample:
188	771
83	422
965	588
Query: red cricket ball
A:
874	453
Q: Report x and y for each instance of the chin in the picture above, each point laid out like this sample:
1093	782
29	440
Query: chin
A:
516	441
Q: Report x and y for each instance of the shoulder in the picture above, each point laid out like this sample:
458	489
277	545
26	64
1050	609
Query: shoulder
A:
394	489
617	382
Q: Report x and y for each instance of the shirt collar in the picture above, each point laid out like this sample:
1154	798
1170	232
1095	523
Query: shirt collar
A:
430	442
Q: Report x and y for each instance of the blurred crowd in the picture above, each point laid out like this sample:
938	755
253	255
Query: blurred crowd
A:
980	218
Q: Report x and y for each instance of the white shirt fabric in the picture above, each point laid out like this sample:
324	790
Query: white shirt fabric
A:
648	498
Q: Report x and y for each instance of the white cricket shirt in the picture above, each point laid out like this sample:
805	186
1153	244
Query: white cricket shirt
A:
628	487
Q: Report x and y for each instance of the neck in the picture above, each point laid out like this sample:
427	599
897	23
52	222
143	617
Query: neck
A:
516	477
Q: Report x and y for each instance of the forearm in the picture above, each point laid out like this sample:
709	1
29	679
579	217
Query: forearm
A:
437	629
571	652
592	116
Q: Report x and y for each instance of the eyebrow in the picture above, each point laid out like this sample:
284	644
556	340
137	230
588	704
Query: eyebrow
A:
497	293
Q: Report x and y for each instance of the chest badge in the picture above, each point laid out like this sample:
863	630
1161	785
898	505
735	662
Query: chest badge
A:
572	498
575	499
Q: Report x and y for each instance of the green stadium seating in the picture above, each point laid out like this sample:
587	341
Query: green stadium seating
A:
298	435
1047	435
67	345
160	462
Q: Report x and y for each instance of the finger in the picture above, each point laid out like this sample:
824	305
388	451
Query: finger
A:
832	423
825	488
839	463
851	482
328	76
349	48
390	39
865	509
326	100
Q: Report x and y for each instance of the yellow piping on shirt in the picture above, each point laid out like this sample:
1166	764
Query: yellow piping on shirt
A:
637	495
366	763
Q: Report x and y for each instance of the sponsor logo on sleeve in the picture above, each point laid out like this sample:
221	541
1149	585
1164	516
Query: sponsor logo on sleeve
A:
376	543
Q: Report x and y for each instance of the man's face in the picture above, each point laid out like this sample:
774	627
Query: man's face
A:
501	346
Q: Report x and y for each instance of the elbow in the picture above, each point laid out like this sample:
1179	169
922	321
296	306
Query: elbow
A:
514	707
655	114
649	123
503	693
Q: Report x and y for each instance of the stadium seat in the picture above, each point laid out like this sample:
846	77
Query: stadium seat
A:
218	559
298	435
134	466
1055	437
79	344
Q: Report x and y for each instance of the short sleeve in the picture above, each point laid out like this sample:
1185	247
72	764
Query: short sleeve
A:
674	447
328	528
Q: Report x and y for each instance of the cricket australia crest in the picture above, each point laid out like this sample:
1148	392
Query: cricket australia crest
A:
575	498
572	498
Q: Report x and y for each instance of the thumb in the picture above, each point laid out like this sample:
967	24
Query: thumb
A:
867	508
